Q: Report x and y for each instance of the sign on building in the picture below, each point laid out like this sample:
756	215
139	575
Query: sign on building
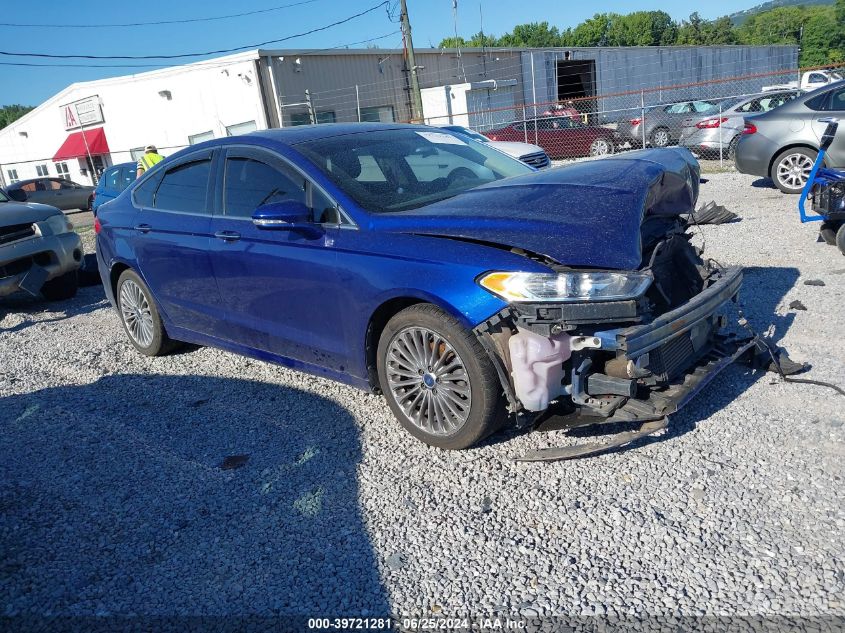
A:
82	112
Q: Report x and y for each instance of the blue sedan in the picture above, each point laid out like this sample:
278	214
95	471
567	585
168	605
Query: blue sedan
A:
467	287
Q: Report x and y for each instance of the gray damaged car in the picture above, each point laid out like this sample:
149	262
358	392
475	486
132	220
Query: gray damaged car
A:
39	251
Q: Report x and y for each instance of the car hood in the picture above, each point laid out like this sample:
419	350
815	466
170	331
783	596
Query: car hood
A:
516	149
23	212
587	214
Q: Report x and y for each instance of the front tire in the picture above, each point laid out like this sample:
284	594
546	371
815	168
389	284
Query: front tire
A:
840	239
140	316
438	380
791	169
61	287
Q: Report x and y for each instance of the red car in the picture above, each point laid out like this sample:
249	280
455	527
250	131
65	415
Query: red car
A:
560	136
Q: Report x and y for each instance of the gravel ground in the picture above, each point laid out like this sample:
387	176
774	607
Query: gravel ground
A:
113	499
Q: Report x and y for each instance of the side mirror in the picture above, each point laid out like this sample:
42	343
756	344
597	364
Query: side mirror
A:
17	194
282	215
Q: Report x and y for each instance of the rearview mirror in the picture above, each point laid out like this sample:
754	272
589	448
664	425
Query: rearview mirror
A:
288	214
17	194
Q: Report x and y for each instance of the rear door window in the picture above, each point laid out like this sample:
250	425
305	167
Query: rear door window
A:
127	177
185	188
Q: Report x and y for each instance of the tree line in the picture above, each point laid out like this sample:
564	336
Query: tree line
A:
10	113
818	30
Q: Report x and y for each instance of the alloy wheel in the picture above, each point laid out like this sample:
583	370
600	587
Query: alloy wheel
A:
660	138
793	170
428	380
136	313
600	147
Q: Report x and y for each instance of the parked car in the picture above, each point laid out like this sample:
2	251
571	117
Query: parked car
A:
39	252
782	144
57	192
810	80
114	180
662	123
559	136
417	263
526	152
709	134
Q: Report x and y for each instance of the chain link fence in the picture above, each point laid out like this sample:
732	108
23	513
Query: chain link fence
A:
707	117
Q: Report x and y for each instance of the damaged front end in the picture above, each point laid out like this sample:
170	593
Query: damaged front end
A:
623	360
630	344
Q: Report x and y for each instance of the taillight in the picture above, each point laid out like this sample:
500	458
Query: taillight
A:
711	123
97	226
749	128
635	121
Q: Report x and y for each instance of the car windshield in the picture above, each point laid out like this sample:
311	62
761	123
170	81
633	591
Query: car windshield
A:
3	196
397	170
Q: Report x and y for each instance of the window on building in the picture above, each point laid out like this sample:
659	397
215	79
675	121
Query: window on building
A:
41	170
241	128
13	175
193	139
303	118
378	114
184	188
62	170
249	183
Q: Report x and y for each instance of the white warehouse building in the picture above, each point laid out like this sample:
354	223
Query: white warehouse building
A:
92	125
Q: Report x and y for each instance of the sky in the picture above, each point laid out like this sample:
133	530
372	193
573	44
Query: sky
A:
431	21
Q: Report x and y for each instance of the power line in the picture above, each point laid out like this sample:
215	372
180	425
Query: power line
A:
210	64
203	54
160	22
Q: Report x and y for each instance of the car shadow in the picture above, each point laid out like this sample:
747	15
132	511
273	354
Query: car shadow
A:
182	495
764	183
29	308
767	286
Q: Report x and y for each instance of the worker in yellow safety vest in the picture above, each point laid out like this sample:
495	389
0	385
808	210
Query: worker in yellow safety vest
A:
149	158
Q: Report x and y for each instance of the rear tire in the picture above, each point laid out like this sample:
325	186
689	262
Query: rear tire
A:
840	239
732	147
791	168
660	137
601	147
828	232
437	379
62	287
140	316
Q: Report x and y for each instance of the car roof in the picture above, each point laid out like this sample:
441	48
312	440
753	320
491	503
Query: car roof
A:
303	133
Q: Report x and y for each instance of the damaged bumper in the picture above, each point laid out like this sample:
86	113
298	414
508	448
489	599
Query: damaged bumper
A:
639	372
27	263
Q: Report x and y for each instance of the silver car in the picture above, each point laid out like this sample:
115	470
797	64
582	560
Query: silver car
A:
662	123
710	134
39	251
782	144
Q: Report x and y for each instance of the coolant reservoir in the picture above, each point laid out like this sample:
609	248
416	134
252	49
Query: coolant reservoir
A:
537	363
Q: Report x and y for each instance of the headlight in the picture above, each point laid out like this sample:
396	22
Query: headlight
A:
59	224
566	287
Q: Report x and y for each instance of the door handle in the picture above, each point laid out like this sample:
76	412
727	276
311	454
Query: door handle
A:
228	236
143	228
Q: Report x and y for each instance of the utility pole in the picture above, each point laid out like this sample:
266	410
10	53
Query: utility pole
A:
417	114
